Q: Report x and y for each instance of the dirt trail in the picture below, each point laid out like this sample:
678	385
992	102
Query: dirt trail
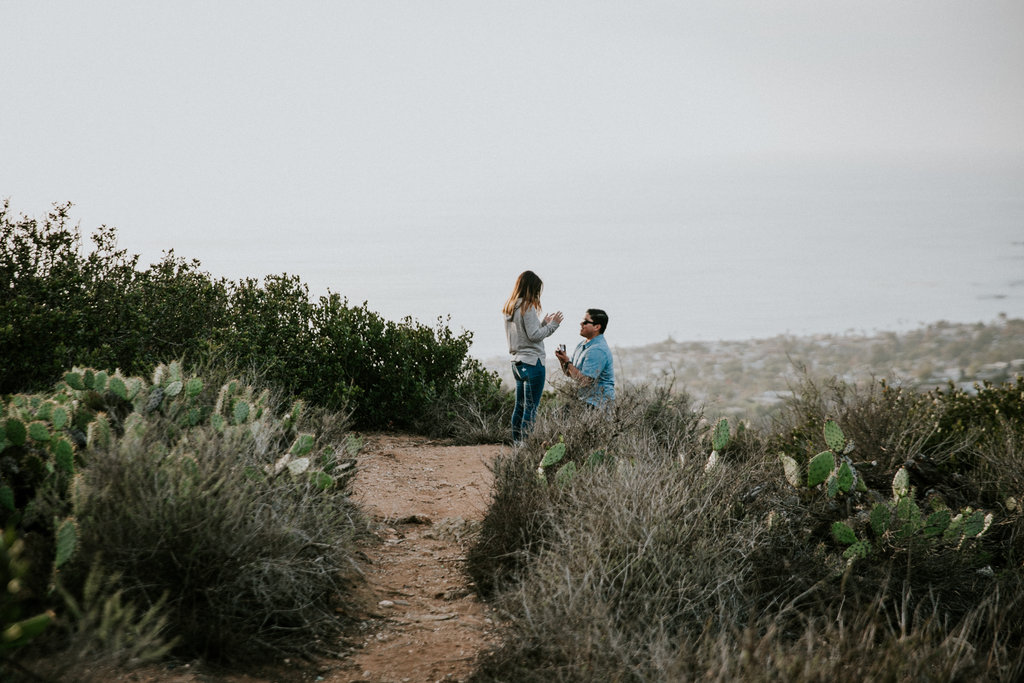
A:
424	622
426	499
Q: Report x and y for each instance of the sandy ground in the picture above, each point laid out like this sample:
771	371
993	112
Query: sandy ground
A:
424	622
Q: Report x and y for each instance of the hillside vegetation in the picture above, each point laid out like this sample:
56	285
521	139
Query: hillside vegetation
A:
176	453
862	533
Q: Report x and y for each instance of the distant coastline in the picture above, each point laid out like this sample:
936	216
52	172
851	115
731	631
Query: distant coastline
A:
747	378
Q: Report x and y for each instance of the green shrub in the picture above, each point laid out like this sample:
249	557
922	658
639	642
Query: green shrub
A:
61	308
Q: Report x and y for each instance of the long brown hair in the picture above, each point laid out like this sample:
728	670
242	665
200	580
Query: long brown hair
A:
528	288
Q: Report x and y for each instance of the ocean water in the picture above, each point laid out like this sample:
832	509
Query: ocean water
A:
714	255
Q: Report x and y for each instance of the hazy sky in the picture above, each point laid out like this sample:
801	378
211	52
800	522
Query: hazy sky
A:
289	129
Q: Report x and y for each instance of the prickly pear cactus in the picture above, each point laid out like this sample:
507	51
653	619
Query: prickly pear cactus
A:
820	467
720	437
834	437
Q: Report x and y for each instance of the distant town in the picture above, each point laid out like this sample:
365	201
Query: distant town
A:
747	378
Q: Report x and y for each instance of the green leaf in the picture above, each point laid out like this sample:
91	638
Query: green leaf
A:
720	438
820	467
834	436
843	533
74	380
880	516
553	455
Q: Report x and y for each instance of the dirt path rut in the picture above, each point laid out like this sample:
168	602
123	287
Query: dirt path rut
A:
425	499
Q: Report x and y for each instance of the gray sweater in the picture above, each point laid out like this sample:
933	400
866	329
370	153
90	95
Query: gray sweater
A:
526	334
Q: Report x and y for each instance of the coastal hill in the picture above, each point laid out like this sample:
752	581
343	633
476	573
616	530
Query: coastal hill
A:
747	378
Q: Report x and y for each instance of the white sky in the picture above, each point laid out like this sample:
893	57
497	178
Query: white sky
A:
201	125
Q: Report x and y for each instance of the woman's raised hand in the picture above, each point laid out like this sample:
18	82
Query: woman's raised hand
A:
556	317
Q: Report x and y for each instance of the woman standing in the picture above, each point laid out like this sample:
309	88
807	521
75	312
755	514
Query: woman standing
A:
525	332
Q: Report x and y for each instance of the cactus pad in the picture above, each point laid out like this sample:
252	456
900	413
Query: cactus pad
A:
67	540
59	418
901	483
975	525
880	516
74	380
239	412
937	523
791	470
16	431
64	456
553	455
858	550
39	431
834	436
298	466
118	388
566	473
6	498
720	437
843	533
193	387
303	445
820	467
844	477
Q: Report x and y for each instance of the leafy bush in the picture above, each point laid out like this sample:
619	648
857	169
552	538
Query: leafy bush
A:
60	309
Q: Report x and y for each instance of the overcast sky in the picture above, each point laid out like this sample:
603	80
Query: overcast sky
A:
193	125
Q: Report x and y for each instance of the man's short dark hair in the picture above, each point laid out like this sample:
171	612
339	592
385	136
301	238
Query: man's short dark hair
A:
599	317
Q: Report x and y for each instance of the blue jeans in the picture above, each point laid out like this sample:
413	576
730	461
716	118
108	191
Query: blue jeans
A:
529	387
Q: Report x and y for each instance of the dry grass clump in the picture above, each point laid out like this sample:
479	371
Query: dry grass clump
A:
644	420
247	563
654	567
